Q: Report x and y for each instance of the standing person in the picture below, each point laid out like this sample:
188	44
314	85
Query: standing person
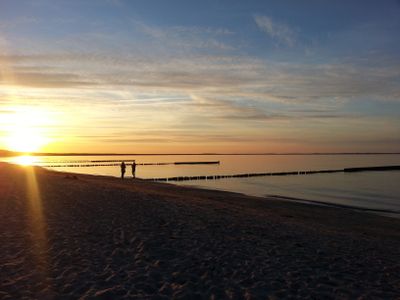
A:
123	168
133	169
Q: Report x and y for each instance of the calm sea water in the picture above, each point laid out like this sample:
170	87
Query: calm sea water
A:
372	190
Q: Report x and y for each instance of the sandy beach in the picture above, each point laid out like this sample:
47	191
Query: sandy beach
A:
66	236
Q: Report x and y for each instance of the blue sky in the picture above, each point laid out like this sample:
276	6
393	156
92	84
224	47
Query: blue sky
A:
203	76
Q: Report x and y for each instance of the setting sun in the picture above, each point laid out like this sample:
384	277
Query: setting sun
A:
26	129
25	140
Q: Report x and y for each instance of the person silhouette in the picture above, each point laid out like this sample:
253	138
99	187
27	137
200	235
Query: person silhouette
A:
133	169
123	168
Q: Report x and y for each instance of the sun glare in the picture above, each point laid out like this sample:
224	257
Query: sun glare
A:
25	160
25	140
26	130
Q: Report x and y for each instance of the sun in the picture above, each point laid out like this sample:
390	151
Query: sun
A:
26	130
25	140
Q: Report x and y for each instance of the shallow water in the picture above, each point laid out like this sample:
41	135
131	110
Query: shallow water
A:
373	190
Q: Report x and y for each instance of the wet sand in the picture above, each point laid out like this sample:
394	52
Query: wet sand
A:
66	236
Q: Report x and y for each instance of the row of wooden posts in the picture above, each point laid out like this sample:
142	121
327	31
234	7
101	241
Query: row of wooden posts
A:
214	177
103	163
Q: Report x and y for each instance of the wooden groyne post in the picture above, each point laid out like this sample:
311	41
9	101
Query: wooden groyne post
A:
242	175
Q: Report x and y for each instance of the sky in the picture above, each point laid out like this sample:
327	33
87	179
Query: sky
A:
200	76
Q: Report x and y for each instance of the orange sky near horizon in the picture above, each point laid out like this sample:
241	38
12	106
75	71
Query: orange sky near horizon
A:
101	128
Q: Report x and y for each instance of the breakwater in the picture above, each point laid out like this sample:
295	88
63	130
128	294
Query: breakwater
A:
243	175
378	168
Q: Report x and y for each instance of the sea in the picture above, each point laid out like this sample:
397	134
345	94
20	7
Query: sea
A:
377	191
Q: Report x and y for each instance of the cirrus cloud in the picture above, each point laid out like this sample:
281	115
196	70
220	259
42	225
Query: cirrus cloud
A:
279	31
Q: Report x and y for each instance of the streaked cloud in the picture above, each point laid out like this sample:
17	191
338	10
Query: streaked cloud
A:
228	75
278	31
45	80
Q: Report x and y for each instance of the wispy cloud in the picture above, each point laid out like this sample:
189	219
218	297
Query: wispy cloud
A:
279	31
45	80
224	76
187	38
252	112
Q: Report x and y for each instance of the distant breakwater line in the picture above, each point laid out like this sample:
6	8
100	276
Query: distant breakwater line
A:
104	164
243	175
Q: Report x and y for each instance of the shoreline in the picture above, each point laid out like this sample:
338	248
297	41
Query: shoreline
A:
67	235
380	212
288	199
174	180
